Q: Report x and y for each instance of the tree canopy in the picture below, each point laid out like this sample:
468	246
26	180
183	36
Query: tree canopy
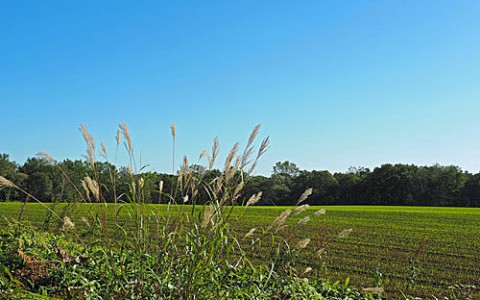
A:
388	184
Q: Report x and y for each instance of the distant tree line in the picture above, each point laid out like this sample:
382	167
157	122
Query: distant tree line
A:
389	184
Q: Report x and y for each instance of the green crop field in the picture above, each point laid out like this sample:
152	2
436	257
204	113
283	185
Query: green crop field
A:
420	251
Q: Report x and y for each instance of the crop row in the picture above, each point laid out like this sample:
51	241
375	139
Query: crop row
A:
420	251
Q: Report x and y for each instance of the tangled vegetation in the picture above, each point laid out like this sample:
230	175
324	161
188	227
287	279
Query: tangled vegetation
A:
191	255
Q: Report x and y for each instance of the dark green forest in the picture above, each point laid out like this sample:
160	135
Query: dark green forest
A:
388	184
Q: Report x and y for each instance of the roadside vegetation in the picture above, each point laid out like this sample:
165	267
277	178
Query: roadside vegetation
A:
209	239
193	253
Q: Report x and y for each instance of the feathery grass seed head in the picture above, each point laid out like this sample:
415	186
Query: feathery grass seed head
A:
85	188
215	150
321	252
47	156
207	215
67	224
301	209
306	271
254	134
250	233
373	290
263	147
303	221
6	183
118	138
254	199
303	243
84	130
89	140
305	195
203	154
344	233
228	161
104	149
160	186
91	158
126	134
280	220
93	186
85	220
245	159
238	190
174	130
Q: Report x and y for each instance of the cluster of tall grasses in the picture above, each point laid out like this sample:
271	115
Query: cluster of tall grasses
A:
178	252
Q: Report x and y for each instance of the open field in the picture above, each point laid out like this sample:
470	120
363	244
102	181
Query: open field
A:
415	250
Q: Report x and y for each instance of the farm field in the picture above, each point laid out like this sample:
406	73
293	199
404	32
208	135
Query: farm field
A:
419	251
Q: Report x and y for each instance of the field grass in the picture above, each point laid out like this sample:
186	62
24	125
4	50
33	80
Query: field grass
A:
420	251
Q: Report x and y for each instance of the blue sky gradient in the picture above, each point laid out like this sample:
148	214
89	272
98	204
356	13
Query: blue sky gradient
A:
333	83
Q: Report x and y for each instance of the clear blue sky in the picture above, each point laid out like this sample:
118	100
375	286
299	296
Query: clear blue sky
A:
333	83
